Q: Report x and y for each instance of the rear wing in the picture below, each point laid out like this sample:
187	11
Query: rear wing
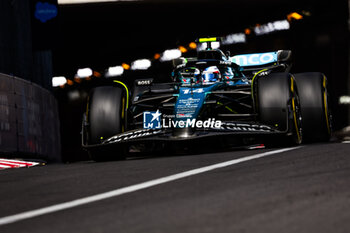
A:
255	61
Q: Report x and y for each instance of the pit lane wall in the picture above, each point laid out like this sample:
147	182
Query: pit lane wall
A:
29	122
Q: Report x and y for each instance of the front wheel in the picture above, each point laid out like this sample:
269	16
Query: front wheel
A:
279	106
314	106
105	117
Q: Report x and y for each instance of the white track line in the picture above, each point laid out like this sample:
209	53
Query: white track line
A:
132	188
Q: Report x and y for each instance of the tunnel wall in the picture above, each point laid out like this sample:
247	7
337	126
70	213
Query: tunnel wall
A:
26	43
29	122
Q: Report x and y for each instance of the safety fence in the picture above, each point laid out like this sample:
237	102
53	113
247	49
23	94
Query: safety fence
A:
29	120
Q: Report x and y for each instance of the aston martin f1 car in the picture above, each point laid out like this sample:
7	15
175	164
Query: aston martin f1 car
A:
210	96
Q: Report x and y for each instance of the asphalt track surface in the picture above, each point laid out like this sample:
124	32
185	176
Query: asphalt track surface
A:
304	189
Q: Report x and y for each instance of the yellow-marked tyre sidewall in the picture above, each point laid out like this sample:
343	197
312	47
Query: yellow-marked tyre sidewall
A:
276	94
315	110
295	108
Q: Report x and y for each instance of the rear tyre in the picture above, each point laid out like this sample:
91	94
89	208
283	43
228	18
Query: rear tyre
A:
106	119
314	106
279	106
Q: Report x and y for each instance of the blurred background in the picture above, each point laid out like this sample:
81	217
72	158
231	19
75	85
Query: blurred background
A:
69	46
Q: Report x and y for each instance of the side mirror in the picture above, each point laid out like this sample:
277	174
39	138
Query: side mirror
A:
284	55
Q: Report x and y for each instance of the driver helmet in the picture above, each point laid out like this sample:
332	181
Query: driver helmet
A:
186	74
211	74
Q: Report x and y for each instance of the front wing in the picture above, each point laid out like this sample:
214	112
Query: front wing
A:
226	129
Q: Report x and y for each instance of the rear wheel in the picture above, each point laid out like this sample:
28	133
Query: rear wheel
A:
279	105
106	119
314	106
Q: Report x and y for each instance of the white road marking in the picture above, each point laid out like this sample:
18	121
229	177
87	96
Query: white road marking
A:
132	188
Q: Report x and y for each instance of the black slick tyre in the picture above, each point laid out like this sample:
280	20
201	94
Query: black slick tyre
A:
279	106
105	119
314	106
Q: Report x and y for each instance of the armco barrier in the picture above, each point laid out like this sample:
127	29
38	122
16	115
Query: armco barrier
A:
29	122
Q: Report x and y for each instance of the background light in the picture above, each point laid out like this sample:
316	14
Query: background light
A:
58	81
141	64
247	31
126	66
85	72
156	56
344	99
234	39
294	15
74	95
70	82
182	49
271	27
114	71
170	54
192	45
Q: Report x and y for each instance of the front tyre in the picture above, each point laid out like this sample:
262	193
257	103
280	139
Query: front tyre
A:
314	106
279	106
105	116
